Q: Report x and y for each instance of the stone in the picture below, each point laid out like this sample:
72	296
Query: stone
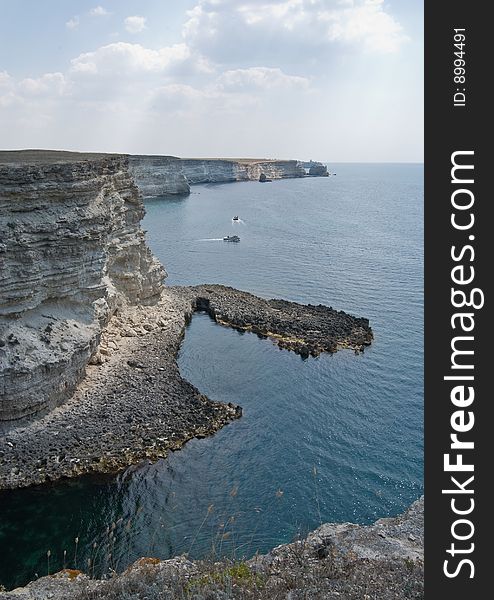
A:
318	170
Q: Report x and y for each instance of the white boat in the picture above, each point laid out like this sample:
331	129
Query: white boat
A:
231	238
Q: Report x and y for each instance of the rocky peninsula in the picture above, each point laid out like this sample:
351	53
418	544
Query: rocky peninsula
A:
133	402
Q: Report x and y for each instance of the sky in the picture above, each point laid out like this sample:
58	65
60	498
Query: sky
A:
329	80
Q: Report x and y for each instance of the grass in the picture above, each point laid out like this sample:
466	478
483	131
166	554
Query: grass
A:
225	577
299	574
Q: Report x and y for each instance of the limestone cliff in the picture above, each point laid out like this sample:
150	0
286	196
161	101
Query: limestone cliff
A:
316	169
71	252
223	170
168	175
159	175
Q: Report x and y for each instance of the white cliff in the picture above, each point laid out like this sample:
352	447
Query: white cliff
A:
158	175
168	175
71	252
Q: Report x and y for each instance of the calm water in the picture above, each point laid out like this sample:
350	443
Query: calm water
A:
337	438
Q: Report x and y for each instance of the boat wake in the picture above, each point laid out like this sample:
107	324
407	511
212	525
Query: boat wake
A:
211	240
238	221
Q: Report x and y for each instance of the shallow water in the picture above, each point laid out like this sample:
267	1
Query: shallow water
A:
337	438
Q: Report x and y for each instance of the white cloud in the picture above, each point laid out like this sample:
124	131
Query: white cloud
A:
229	31
73	23
125	59
366	23
135	24
260	78
5	79
98	11
250	76
7	96
49	84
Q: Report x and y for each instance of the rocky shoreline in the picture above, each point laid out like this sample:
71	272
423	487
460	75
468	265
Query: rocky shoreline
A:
133	403
383	561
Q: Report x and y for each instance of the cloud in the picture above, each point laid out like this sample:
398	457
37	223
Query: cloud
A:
5	79
49	84
73	23
98	11
260	78
7	96
125	59
31	96
135	24
301	30
256	76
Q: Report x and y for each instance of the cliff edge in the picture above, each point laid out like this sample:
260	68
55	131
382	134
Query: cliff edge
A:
337	561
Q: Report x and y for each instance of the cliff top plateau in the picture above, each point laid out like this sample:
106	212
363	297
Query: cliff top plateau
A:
34	156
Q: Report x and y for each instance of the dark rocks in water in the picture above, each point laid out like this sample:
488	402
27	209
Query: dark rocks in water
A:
263	178
305	329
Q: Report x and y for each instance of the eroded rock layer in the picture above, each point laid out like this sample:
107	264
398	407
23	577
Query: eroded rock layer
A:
169	175
224	170
71	252
159	175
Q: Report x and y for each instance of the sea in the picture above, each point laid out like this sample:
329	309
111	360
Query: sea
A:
335	438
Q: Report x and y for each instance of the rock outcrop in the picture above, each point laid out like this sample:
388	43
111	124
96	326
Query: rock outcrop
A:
383	561
71	252
159	175
318	171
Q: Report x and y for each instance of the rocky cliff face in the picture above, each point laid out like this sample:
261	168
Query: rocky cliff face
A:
166	175
159	175
71	253
218	171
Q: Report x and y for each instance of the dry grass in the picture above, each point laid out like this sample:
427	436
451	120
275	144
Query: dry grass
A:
297	577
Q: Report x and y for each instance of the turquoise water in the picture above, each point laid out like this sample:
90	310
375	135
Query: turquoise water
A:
337	438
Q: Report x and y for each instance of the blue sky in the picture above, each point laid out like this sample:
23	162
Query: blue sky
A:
336	80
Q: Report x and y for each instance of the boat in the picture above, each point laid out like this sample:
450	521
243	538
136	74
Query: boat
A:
231	238
235	218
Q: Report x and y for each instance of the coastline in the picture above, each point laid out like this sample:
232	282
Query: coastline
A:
133	403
